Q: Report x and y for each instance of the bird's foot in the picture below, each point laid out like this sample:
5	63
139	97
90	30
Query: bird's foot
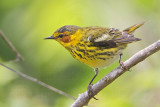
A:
123	67
90	92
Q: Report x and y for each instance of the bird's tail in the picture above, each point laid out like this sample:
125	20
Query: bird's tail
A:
133	28
127	35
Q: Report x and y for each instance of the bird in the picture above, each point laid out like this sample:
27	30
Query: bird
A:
97	47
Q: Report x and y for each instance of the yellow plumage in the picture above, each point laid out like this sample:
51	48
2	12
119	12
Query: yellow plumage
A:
89	44
95	46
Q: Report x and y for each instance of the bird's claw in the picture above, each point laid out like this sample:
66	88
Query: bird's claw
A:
123	67
90	92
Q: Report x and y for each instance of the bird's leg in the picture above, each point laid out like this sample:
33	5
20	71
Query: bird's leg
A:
122	64
89	87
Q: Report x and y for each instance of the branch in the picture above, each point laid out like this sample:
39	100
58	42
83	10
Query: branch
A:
39	82
19	57
83	98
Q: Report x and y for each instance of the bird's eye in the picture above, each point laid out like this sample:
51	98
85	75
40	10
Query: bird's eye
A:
61	35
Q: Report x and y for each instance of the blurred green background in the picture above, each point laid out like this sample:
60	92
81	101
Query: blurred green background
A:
27	22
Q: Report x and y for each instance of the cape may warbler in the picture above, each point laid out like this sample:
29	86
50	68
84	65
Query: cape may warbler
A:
95	46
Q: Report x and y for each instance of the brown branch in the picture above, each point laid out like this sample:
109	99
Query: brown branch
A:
83	98
19	57
39	82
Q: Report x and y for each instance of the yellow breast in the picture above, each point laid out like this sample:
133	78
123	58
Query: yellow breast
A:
96	57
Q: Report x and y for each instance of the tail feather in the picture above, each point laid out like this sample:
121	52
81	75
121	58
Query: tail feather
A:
127	40
127	36
133	28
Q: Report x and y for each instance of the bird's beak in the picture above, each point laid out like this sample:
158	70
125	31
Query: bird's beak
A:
50	37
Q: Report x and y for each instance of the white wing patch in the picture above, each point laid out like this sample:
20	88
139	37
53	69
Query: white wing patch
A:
102	38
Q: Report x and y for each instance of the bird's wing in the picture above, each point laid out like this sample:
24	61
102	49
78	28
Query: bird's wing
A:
110	38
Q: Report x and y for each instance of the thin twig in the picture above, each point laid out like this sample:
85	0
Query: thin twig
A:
19	56
39	82
83	98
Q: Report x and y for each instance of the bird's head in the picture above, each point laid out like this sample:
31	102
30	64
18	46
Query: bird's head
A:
64	34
